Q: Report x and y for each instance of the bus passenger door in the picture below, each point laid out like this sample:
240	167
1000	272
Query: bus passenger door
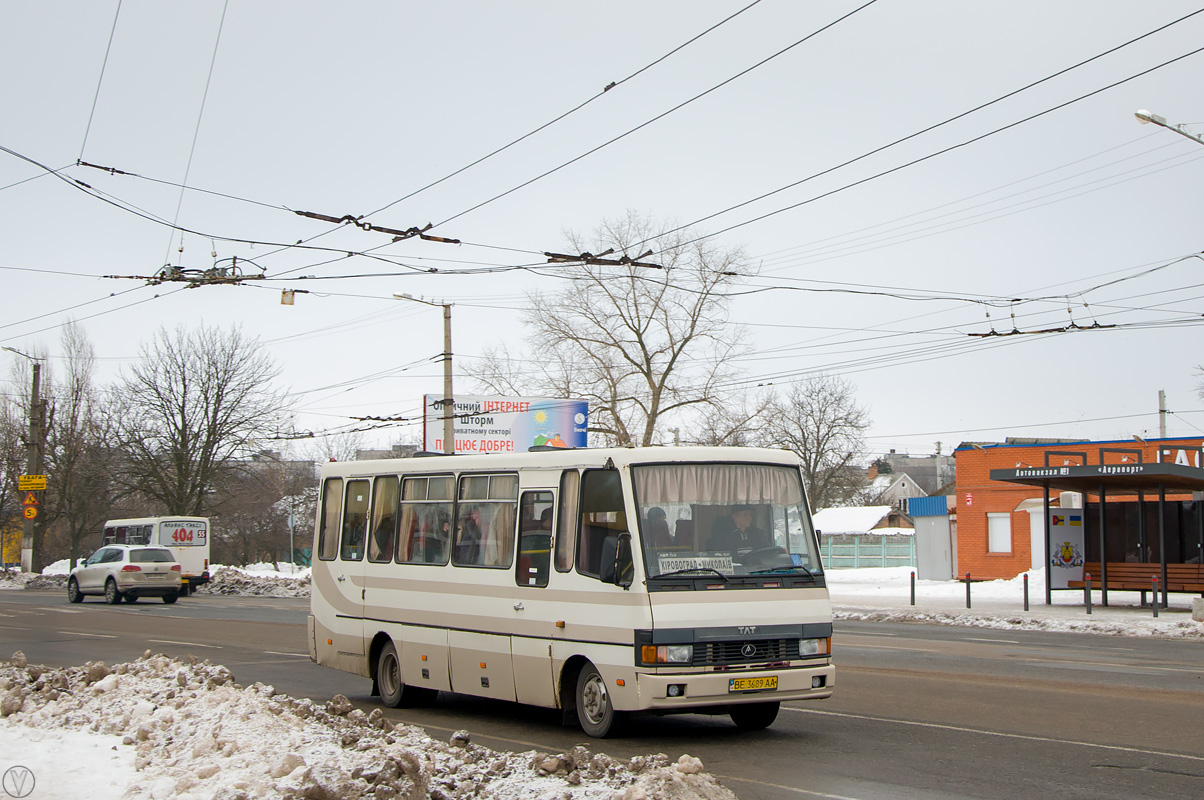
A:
348	573
534	613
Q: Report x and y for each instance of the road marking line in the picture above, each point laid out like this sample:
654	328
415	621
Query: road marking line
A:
1000	734
186	644
807	792
886	647
992	641
278	653
97	635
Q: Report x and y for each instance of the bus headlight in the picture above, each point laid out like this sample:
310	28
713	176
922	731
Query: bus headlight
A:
667	654
814	647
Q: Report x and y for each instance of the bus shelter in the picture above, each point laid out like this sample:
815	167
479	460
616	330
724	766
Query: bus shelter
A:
1124	553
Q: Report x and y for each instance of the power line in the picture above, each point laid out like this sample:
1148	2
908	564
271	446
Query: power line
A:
197	130
658	117
99	81
578	107
934	127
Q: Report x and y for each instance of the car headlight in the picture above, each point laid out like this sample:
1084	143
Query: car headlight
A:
667	654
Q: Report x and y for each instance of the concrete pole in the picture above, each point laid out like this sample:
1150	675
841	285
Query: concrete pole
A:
449	405
1161	414
34	455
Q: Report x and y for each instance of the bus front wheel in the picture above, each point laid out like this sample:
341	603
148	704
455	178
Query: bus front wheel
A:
595	711
754	716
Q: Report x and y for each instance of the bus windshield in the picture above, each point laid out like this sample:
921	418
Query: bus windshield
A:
733	519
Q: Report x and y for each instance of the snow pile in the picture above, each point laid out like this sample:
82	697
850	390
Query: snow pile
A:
170	728
251	582
15	579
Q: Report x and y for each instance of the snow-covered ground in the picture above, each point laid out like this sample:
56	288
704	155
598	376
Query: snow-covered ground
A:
165	728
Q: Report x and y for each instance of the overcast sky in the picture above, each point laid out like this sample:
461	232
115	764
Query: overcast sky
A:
880	271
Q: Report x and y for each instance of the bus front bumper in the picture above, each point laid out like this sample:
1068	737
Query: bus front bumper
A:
668	691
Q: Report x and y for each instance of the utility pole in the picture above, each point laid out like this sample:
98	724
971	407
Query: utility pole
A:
449	404
1161	414
35	452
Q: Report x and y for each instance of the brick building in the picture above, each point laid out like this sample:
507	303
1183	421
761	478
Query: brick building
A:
1000	529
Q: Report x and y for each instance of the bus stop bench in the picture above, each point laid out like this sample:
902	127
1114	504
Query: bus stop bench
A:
1138	577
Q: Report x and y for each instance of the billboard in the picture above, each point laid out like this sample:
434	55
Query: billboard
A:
492	424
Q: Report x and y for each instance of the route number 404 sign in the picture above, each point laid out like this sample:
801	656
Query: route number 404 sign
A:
181	533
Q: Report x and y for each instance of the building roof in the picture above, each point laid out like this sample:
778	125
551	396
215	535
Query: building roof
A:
1114	478
856	519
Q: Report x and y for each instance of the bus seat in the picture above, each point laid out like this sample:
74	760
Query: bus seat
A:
607	555
683	535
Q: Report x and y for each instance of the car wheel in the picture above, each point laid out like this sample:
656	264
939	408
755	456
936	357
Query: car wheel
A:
130	598
754	716
112	596
170	598
74	595
595	711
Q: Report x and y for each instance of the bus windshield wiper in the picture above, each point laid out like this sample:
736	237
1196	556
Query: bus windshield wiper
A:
691	569
782	570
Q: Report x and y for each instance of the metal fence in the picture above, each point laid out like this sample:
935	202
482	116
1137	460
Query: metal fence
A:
844	551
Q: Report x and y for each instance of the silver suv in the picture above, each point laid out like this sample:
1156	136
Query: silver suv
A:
126	572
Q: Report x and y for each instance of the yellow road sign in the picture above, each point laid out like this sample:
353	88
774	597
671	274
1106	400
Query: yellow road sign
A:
31	499
30	512
31	483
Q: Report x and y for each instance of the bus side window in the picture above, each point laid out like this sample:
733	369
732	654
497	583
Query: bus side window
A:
602	521
328	522
535	539
384	519
566	531
355	520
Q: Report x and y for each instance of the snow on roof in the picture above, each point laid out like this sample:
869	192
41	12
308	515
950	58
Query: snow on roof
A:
857	519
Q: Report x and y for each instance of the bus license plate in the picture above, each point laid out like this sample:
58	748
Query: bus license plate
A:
759	684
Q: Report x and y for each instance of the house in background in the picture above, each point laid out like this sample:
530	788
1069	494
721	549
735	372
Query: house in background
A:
891	489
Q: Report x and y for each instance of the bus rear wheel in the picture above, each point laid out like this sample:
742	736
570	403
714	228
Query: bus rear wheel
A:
595	711
754	716
393	692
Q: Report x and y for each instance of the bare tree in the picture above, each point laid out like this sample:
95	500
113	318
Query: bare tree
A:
822	423
640	344
189	410
80	458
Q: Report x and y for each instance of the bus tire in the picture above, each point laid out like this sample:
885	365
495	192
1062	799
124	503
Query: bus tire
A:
112	596
74	595
170	598
388	677
754	716
595	710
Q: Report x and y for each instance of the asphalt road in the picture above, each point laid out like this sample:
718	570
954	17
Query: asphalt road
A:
919	711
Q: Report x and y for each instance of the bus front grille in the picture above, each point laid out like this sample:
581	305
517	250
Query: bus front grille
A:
719	654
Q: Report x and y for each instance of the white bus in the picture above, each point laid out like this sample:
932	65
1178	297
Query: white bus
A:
186	537
599	582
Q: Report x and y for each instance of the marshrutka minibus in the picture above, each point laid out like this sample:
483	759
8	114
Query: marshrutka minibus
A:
596	581
186	537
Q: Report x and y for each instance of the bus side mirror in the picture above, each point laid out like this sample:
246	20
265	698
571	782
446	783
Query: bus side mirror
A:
624	566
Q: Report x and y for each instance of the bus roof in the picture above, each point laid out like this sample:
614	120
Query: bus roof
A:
561	459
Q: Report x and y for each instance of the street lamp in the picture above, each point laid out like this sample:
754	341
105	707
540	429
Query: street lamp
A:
33	454
1146	117
449	431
